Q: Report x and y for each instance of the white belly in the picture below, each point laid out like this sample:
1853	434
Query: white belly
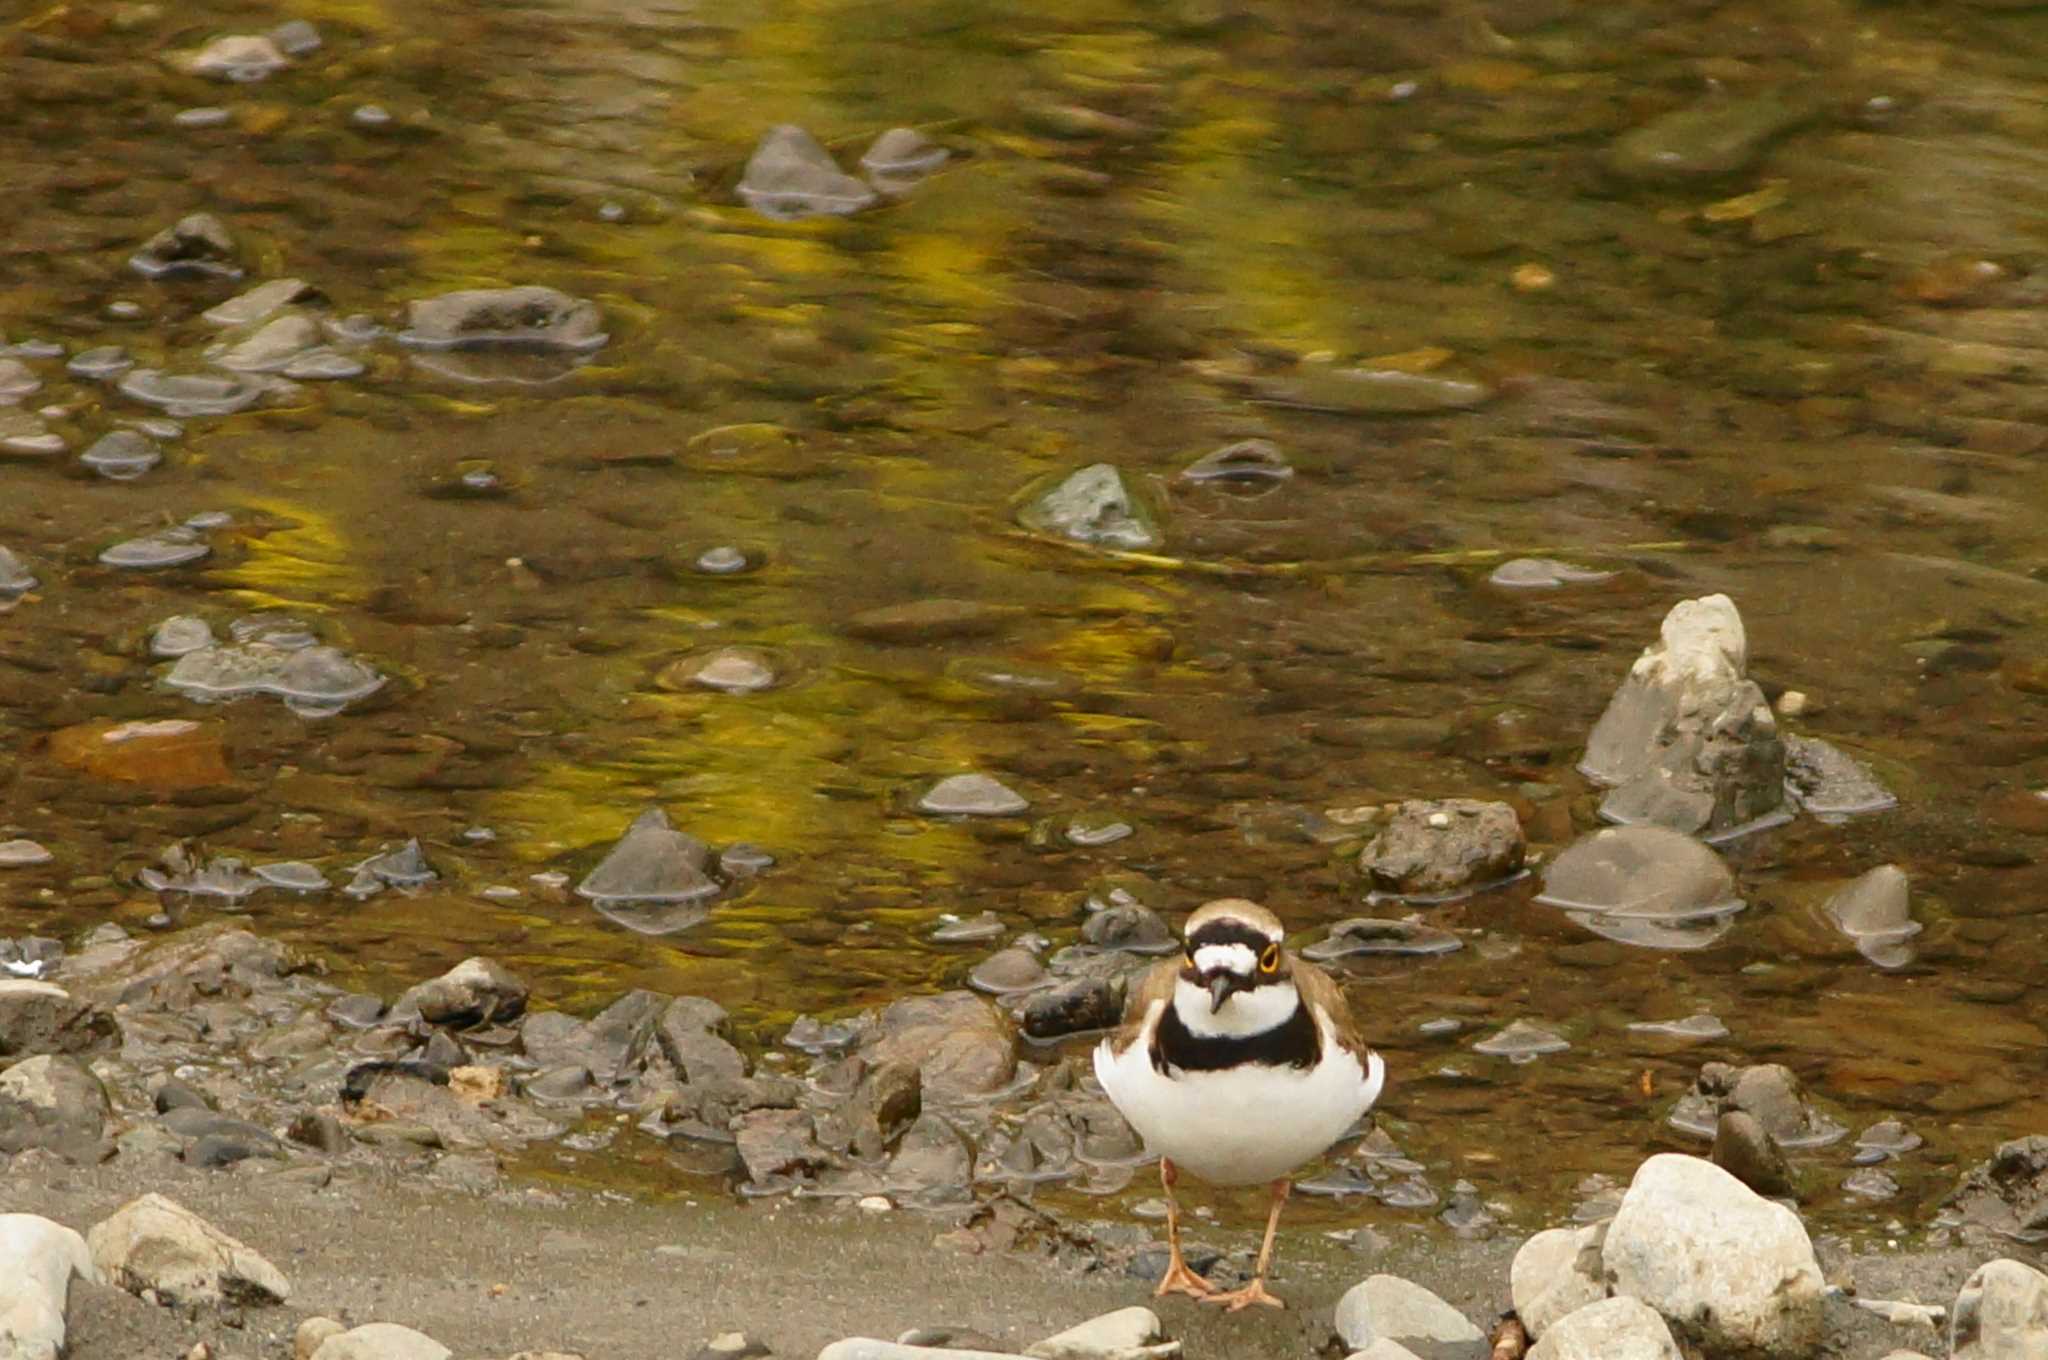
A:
1241	1125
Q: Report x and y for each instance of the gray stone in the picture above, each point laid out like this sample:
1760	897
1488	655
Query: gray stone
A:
790	175
932	1161
41	1017
956	1040
1874	912
1543	573
1728	1269
1095	505
381	1341
121	455
1717	136
777	1143
1248	460
1380	935
1556	1273
971	795
1521	1041
15	577
1831	784
530	317
270	346
1444	847
50	1101
1687	739
1390	1307
1611	1329
38	1261
652	862
1769	1091
1644	886
477	991
1130	927
691	1032
154	1243
260	303
901	154
1126	1334
196	244
2001	1313
241	58
2009	1192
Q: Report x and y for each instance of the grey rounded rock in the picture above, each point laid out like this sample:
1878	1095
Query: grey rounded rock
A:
154	552
122	455
1644	886
971	795
790	176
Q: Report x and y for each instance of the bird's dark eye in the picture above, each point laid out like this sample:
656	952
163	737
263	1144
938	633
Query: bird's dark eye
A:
1269	960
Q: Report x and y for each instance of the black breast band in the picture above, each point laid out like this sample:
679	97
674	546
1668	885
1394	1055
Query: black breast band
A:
1294	1042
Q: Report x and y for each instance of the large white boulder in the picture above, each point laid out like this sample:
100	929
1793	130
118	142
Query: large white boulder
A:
381	1341
155	1243
1612	1329
2001	1314
38	1259
1389	1307
1725	1266
1556	1273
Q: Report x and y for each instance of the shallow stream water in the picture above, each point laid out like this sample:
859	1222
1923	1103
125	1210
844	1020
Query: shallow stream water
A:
1792	346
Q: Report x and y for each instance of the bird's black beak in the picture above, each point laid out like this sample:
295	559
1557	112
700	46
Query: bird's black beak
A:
1220	988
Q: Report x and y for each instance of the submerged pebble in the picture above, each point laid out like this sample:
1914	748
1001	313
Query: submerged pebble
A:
296	37
973	930
1371	935
194	394
1521	1042
536	317
902	152
101	362
403	866
1543	573
121	456
1700	1026
222	877
971	795
24	432
194	244
205	116
172	547
315	681
20	854
729	670
1095	504
723	560
1252	461
790	176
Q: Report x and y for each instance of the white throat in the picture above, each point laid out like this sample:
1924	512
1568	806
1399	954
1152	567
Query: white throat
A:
1242	1014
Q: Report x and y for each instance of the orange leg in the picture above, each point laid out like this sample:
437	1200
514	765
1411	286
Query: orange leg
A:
1255	1292
1178	1279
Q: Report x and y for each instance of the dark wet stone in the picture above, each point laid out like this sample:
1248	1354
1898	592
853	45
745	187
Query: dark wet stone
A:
1372	935
17	380
261	303
1446	847
313	681
1249	460
1831	784
206	116
1095	505
1073	1007
241	59
122	455
1717	136
652	862
1644	886
194	394
531	316
790	176
1006	971
1521	1042
15	577
167	548
903	153
94	365
196	244
1131	927
928	621
1745	1150
971	795
51	1101
1543	573
2009	1192
25	433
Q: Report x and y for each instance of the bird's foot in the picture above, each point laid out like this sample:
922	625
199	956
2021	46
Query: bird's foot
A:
1178	1279
1237	1300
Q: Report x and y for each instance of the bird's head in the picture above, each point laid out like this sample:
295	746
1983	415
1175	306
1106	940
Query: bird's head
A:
1232	947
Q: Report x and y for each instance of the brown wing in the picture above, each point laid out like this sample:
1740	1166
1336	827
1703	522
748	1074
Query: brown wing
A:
1156	986
1319	989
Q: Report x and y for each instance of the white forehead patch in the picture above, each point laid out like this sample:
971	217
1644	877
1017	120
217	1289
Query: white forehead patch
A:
1230	958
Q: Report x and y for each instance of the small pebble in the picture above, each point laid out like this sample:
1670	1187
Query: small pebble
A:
371	115
207	117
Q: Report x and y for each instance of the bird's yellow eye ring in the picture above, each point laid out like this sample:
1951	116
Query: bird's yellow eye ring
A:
1270	960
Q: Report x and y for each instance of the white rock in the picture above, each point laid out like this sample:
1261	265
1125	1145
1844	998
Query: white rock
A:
37	1260
2001	1314
1386	1306
312	1333
381	1341
154	1243
867	1348
1612	1329
1694	671
1126	1334
1384	1349
1723	1265
1556	1273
